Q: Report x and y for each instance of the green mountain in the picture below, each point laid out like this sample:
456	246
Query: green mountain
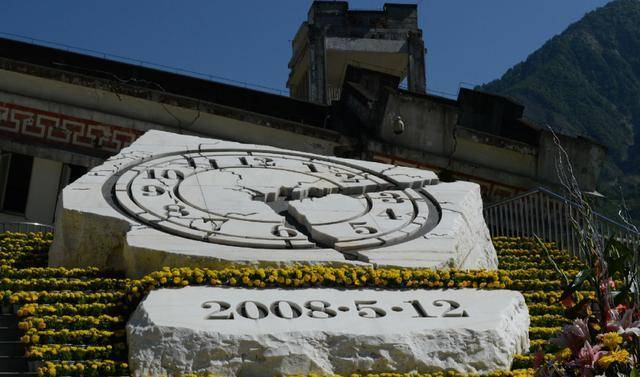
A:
586	80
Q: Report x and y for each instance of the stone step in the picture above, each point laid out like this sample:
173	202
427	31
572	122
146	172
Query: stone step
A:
8	320
9	333
13	364
11	348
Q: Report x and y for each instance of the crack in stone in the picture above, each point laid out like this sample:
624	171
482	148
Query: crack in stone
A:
364	183
240	214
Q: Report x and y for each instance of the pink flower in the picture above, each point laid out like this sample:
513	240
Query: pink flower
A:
539	359
624	325
567	301
609	283
621	308
573	335
587	358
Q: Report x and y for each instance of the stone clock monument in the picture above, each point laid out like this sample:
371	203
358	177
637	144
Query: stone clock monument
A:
175	200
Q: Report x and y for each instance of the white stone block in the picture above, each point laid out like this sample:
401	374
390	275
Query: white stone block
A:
249	332
212	202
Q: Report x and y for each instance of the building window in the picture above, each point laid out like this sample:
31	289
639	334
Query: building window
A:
16	183
75	172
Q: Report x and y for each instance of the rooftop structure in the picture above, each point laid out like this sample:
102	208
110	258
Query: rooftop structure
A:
334	37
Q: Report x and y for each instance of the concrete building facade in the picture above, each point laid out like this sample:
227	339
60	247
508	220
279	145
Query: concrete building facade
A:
479	137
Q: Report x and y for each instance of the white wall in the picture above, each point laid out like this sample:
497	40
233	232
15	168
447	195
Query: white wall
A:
43	190
142	114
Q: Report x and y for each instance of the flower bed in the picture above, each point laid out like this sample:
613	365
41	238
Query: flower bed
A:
73	319
55	297
48	352
317	276
87	368
62	308
76	322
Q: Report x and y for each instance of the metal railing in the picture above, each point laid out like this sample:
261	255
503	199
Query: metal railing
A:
24	227
548	215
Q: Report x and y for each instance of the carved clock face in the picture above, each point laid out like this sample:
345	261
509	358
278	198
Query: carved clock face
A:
183	200
259	199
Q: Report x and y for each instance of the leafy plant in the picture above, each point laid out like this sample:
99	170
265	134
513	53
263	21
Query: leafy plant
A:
603	339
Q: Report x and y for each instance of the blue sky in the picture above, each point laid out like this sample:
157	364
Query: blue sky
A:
468	41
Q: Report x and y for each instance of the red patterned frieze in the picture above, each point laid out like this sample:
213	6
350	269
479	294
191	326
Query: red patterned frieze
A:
64	130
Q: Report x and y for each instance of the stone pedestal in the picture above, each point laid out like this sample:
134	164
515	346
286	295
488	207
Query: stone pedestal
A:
244	332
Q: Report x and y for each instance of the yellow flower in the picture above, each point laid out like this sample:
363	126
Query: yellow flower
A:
617	356
611	340
563	354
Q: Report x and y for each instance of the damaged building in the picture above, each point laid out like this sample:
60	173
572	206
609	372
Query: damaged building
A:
62	112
